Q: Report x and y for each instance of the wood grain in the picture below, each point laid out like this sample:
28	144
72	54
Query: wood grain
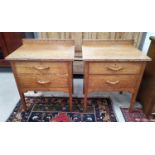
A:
42	81
108	50
79	37
114	67
40	50
110	82
41	67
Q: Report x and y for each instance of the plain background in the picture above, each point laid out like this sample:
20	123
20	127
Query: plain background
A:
77	16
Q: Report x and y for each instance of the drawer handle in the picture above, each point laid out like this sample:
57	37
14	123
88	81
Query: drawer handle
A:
43	82
117	68
41	68
112	82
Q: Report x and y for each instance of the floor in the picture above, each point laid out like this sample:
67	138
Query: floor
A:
9	95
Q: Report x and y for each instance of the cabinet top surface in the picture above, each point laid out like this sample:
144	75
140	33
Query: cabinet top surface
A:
33	49
111	51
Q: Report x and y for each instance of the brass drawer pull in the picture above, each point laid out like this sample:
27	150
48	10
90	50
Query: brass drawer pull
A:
115	68
41	68
43	82
112	82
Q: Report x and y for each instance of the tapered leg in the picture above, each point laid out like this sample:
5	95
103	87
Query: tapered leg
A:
85	102
134	95
21	93
121	92
70	83
150	104
70	101
23	101
132	102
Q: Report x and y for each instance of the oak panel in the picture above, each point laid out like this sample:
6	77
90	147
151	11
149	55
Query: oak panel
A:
41	50
41	67
111	82
107	50
42	81
114	68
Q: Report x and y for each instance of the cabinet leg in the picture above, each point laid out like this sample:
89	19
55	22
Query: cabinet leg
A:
70	101
148	111
23	102
132	102
85	103
148	116
121	92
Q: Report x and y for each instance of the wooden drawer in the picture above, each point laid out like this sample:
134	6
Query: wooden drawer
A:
114	68
43	81
111	82
41	67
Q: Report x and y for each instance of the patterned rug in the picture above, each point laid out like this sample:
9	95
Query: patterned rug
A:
52	109
136	116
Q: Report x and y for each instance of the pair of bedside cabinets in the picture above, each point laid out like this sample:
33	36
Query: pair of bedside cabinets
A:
46	65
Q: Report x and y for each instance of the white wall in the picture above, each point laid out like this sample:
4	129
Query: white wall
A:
147	42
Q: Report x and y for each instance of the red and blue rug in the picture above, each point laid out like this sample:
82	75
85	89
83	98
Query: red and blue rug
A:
136	116
52	109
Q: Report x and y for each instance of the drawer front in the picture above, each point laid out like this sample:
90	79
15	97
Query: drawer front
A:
41	67
114	68
111	82
43	81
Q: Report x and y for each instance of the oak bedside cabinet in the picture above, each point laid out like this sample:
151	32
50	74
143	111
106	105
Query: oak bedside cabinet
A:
112	66
43	65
